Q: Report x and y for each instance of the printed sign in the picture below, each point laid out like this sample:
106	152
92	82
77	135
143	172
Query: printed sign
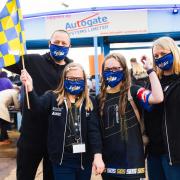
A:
104	23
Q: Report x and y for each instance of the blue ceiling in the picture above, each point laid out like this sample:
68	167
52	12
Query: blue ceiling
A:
88	42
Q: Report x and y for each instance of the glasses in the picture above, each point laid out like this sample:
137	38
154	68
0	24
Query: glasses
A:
114	69
74	78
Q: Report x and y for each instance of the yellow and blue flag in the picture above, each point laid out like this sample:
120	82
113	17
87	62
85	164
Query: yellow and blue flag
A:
12	36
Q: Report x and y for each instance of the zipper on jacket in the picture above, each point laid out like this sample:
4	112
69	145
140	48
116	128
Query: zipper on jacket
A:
64	130
80	134
167	137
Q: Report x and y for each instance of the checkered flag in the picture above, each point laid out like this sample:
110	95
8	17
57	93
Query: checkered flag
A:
12	37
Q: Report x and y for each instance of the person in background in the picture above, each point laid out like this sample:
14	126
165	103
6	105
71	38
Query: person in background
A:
7	97
138	74
93	86
163	123
74	138
45	70
123	151
15	79
5	83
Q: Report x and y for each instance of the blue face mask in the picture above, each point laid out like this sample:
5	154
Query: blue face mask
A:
74	87
112	79
58	52
165	62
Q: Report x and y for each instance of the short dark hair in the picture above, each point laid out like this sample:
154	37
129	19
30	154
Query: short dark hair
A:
63	31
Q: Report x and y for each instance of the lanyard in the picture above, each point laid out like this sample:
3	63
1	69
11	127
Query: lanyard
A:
74	122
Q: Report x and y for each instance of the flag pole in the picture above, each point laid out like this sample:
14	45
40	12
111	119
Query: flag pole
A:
27	96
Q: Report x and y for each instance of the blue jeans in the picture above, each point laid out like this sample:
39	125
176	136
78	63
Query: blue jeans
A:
159	169
71	169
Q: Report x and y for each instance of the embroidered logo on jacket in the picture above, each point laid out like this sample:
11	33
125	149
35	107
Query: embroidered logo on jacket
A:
56	111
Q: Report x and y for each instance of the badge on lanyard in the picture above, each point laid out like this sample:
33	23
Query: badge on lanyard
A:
79	148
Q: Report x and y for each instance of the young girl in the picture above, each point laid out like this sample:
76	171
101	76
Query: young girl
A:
123	152
163	123
73	135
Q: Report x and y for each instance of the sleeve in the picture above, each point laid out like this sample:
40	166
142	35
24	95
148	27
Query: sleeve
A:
16	68
141	95
40	104
94	134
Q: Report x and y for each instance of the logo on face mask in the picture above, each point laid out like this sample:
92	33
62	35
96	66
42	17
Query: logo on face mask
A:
58	52
165	62
74	87
112	79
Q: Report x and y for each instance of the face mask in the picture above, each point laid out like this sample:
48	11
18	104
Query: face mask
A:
58	52
112	79
165	62
74	87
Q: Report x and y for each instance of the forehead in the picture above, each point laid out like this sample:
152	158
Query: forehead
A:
75	71
158	49
60	36
112	62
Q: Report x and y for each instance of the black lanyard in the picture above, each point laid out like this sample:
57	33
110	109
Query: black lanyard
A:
74	122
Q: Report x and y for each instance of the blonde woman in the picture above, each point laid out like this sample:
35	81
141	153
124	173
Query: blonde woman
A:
163	123
139	75
73	137
123	152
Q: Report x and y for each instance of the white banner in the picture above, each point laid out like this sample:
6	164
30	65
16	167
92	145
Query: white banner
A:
104	23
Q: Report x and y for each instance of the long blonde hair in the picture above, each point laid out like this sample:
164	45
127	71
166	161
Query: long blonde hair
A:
61	93
123	90
168	43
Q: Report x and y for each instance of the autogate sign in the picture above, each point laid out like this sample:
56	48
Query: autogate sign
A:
104	23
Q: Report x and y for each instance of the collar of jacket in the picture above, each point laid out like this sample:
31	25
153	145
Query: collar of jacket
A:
51	60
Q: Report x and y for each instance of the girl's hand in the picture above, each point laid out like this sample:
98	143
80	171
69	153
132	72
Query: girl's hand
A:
26	80
147	64
98	164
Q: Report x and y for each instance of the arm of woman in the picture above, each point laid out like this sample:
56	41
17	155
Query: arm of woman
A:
156	96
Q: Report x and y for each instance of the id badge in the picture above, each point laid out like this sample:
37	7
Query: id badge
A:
79	148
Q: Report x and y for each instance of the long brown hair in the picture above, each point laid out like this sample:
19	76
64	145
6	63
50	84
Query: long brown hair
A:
61	93
123	90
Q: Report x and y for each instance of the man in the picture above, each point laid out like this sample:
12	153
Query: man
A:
45	71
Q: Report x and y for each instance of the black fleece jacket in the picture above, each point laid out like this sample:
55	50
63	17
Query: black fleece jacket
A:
166	121
57	117
46	75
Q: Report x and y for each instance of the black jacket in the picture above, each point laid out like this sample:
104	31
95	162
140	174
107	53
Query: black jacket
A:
46	76
170	123
57	116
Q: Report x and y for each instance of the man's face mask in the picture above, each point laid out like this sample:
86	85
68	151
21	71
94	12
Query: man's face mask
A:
74	87
58	52
112	78
165	62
